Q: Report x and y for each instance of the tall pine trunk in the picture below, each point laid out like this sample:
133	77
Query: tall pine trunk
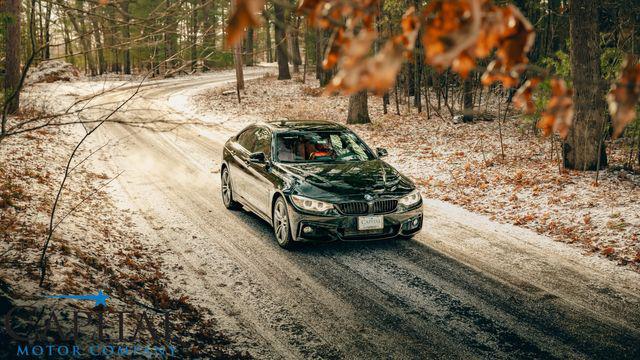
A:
193	38
98	40
209	31
358	108
47	32
267	34
171	38
77	20
12	56
126	35
248	49
322	42
295	46
281	41
467	99
583	149
237	60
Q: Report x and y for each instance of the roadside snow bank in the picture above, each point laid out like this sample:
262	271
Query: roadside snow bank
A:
52	71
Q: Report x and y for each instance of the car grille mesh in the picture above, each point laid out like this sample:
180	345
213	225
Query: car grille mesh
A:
384	206
354	208
361	207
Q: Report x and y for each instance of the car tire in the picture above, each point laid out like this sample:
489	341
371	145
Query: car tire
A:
281	224
227	191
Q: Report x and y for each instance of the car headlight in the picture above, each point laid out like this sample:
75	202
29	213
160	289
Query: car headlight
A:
305	203
411	199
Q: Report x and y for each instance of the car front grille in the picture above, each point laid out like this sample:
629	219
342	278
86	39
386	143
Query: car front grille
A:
384	206
354	208
362	208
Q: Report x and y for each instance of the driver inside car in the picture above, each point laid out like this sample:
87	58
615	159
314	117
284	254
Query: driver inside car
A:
322	150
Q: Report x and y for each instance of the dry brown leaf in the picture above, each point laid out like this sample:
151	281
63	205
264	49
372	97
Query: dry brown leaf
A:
624	96
495	73
558	116
377	73
451	27
523	99
246	14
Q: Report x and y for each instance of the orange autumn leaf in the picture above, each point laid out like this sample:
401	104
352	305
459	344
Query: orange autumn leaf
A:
624	96
558	116
517	39
523	99
377	73
451	27
336	43
246	14
495	73
514	36
492	28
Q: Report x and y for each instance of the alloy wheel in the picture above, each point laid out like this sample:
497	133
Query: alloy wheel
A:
226	188
281	223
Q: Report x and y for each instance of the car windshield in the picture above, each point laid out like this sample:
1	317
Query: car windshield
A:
321	146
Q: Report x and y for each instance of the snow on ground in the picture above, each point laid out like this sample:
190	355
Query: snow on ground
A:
52	71
99	245
462	164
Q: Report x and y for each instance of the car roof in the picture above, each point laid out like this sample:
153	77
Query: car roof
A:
302	125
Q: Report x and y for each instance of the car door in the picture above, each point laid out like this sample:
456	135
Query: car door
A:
240	151
259	177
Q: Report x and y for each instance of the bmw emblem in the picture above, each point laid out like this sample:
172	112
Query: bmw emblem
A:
368	197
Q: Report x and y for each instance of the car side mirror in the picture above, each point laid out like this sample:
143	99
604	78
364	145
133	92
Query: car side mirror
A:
258	158
382	152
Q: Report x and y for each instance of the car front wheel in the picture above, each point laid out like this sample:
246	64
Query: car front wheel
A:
281	224
227	192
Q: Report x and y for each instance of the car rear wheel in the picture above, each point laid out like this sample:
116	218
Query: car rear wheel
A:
281	224
227	192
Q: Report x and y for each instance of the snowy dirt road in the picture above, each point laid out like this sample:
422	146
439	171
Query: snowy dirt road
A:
464	287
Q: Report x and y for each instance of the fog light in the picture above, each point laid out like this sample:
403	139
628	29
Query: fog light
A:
307	229
415	222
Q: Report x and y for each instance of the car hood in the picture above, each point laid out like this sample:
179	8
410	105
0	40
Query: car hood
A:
348	180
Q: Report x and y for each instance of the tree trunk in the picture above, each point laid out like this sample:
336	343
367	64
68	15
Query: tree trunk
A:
209	31
194	35
267	32
248	51
467	99
126	35
68	45
171	40
358	108
318	55
110	40
47	32
85	40
281	41
323	75
237	60
295	46
96	37
583	149
12	55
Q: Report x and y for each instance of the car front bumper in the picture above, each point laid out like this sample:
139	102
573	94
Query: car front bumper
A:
340	227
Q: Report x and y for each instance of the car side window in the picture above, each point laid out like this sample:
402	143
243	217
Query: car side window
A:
247	139
263	141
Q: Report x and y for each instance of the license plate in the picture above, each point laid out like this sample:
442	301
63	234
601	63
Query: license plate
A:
370	222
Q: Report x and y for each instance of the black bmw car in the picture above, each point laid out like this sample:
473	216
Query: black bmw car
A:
317	181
